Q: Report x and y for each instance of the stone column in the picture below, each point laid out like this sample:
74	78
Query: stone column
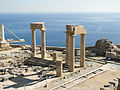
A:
82	51
67	48
33	43
72	46
59	68
43	44
2	33
54	57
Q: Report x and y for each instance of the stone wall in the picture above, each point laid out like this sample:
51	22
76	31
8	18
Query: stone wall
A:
53	47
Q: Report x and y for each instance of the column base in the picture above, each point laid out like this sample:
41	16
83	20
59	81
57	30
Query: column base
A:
5	46
83	66
71	69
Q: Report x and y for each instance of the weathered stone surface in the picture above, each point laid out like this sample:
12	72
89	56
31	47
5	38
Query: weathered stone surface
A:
104	45
2	71
2	79
107	85
64	52
1	64
38	62
59	67
10	61
110	54
20	74
90	53
26	47
117	51
77	52
55	56
114	83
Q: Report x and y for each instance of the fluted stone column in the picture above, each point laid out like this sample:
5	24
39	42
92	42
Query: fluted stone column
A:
43	44
33	43
82	51
72	46
67	48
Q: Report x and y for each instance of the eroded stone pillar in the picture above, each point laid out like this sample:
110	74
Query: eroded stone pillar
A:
72	46
43	44
82	51
59	68
67	48
54	57
33	43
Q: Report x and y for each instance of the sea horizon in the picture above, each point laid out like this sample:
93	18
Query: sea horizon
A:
98	25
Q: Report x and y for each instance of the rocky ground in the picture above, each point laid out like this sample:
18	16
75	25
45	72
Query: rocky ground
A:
112	73
18	70
17	73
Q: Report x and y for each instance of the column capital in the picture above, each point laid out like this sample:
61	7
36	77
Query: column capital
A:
82	34
33	29
43	29
71	34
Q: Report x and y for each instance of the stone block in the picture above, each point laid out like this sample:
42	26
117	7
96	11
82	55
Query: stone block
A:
77	52
2	79
114	83
111	54
89	53
59	68
118	57
54	57
93	54
37	25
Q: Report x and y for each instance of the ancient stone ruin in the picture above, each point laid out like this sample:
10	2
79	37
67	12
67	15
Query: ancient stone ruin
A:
104	45
33	27
4	45
72	31
52	68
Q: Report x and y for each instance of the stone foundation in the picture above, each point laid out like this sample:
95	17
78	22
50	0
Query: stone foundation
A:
5	46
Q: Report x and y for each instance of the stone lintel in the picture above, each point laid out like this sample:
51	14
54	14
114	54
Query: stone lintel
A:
75	29
37	25
73	26
80	31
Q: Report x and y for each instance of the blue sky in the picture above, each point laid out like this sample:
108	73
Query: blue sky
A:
28	6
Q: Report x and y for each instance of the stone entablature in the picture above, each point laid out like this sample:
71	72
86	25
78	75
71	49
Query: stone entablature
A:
37	25
72	31
76	29
33	27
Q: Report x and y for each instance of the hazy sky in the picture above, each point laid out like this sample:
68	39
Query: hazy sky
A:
59	6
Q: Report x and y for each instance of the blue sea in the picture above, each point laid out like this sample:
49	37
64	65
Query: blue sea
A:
98	25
